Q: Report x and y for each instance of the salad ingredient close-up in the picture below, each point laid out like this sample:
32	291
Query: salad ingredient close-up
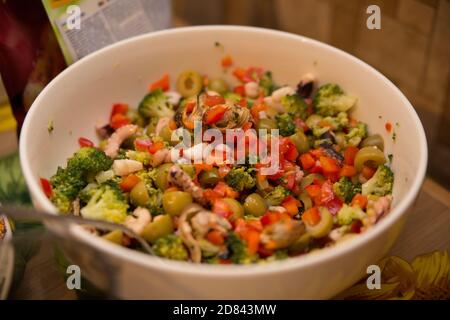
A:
331	180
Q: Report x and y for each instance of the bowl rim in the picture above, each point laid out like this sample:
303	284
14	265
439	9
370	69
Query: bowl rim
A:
206	270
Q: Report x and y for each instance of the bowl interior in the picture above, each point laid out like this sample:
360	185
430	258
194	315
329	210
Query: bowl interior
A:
84	93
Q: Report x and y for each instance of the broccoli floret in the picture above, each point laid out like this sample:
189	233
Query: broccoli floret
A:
295	106
154	204
345	189
348	213
276	196
286	125
81	167
88	161
266	83
330	99
106	203
170	247
238	250
141	156
381	183
155	105
356	135
330	123
240	178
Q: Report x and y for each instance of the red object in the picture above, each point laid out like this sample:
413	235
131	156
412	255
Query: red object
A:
227	61
121	108
46	187
329	165
84	142
291	205
215	237
359	200
313	190
214	114
252	238
240	90
163	84
334	205
326	192
221	208
156	146
211	101
289	150
355	227
224	190
307	161
119	120
347	171
349	155
368	172
388	126
311	216
129	182
256	109
142	144
272	217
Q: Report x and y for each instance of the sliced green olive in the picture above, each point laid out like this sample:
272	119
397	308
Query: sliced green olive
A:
160	227
374	140
166	134
209	178
235	207
174	202
255	205
313	120
189	83
369	155
324	226
161	178
309	179
306	200
115	236
300	141
301	244
267	124
139	195
218	85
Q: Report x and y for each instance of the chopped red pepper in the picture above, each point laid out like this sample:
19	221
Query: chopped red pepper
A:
349	155
211	101
291	205
142	144
347	171
359	200
307	161
119	120
227	61
121	108
240	90
163	84
215	237
129	182
388	126
311	216
221	208
156	146
329	165
84	142
214	114
46	187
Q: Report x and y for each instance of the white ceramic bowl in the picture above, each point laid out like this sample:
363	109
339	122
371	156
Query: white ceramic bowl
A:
83	94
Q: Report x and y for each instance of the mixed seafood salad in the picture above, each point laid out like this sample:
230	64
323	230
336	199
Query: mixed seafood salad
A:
275	172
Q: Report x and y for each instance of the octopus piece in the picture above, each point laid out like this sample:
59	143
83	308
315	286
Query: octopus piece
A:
160	156
194	223
381	206
138	220
117	138
282	234
183	181
124	167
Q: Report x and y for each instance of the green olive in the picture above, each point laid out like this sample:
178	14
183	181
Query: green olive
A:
189	169
306	200
267	124
174	202
161	178
309	179
236	207
369	155
218	85
324	226
301	244
160	227
209	178
115	236
189	83
166	134
139	195
300	141
255	205
374	140
313	120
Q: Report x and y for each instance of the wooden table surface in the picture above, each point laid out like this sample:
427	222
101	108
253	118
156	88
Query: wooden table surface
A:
426	230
